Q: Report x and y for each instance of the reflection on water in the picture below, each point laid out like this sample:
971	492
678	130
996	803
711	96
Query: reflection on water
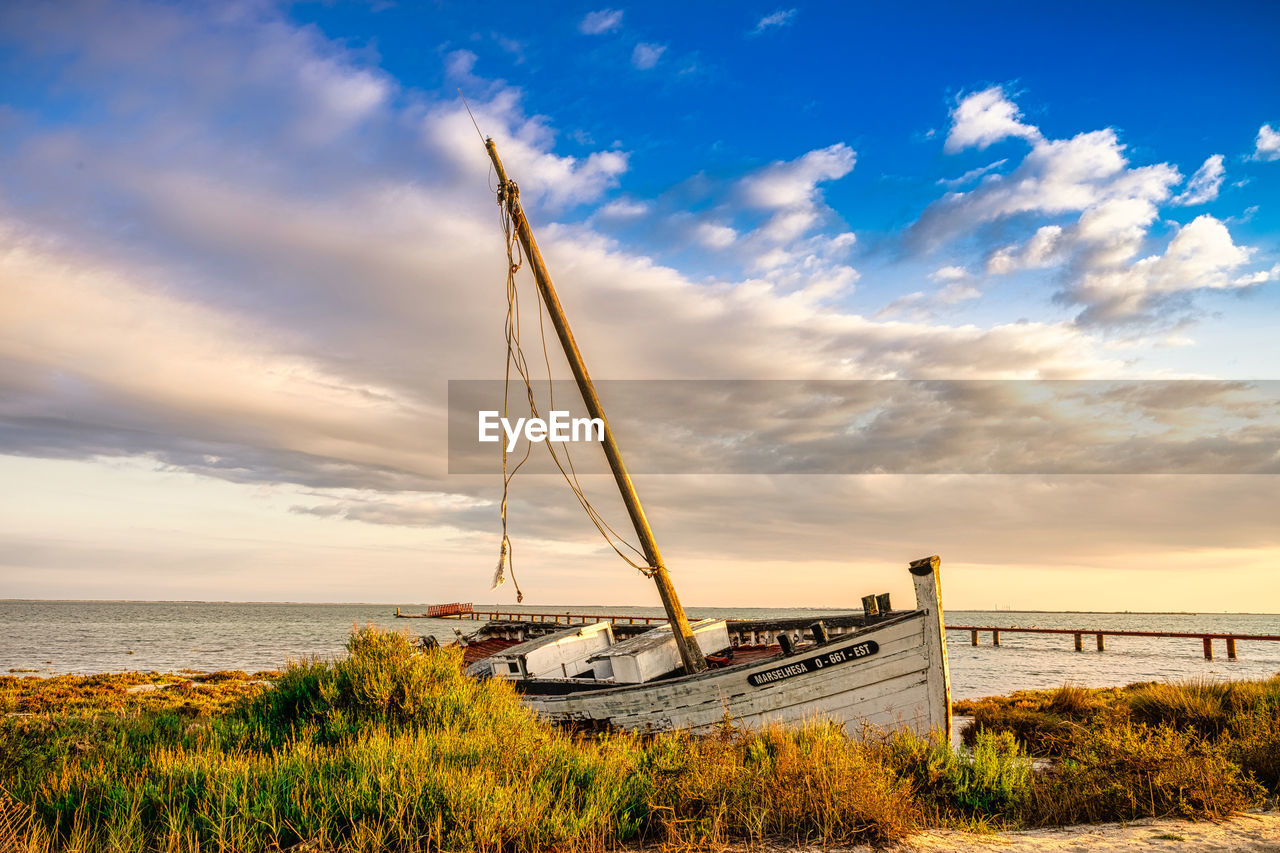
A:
84	637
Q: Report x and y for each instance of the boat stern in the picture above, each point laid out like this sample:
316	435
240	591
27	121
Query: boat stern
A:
928	583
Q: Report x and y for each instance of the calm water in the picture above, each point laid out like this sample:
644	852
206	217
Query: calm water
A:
85	637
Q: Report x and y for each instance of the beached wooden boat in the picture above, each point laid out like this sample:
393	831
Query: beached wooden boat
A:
887	670
880	667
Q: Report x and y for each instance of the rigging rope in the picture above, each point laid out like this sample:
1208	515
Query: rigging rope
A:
508	198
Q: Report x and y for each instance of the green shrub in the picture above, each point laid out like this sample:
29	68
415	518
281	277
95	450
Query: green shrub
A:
990	783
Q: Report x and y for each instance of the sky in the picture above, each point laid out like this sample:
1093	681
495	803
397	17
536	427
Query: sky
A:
244	247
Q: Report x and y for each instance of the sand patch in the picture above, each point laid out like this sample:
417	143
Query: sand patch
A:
1249	833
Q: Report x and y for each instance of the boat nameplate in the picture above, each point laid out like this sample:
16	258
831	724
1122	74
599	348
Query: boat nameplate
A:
812	664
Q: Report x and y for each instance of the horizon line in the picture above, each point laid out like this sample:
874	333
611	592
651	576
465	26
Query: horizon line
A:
501	608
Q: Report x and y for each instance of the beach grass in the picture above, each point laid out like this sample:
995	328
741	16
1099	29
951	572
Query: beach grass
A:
390	749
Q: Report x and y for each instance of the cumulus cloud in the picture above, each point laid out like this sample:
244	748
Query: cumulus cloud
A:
524	147
774	20
1100	208
782	246
600	21
1267	145
1200	256
793	184
1056	177
646	55
983	118
1204	184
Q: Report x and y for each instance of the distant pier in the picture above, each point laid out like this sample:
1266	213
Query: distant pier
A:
1100	636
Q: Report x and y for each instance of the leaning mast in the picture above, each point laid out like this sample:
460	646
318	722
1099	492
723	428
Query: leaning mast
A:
509	198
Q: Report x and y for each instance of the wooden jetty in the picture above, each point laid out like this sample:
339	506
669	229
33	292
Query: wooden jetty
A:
1100	636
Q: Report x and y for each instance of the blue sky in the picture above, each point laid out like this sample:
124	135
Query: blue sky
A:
733	88
243	247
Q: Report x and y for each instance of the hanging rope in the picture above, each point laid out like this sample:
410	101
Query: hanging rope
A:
508	199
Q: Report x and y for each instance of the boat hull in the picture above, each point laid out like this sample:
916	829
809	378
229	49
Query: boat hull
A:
888	673
887	689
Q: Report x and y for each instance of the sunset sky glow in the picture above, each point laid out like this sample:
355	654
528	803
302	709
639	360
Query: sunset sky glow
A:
245	246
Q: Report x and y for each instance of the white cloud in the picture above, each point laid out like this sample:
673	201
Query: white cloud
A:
957	285
1114	206
779	18
601	21
794	184
714	235
983	118
789	192
1259	277
625	208
1204	184
949	274
646	55
971	175
459	63
1201	256
523	144
1035	253
1057	176
1267	145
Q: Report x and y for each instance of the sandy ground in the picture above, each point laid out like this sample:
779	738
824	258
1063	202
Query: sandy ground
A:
1246	833
1250	833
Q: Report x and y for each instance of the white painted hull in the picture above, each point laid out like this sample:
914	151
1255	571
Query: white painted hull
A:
903	683
889	689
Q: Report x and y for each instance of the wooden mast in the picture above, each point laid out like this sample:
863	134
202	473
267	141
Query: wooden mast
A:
508	196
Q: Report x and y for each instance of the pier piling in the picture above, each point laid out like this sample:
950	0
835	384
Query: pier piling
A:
1079	642
1231	648
1208	648
1102	644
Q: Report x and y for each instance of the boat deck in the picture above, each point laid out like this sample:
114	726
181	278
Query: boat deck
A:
481	649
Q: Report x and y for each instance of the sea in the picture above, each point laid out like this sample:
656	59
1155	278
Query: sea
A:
45	638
